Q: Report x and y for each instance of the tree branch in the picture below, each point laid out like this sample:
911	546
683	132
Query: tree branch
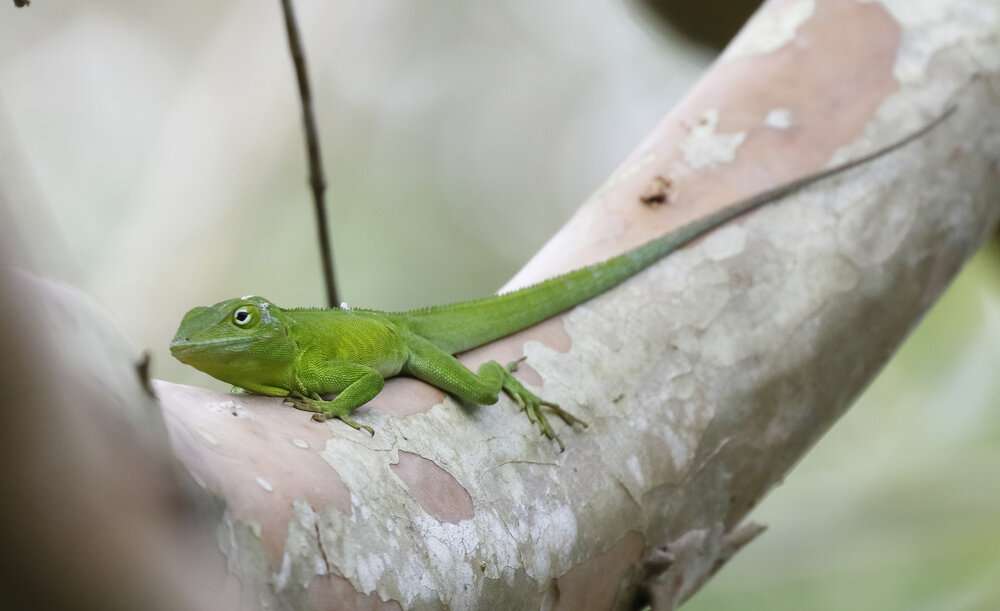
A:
705	378
317	180
88	466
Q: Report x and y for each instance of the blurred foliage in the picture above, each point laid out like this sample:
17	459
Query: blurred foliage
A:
153	155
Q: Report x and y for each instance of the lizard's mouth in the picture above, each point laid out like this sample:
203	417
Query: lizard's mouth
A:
183	349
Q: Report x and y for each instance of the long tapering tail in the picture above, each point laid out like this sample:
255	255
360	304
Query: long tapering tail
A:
461	326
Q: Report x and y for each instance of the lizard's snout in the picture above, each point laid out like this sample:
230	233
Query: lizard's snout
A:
179	346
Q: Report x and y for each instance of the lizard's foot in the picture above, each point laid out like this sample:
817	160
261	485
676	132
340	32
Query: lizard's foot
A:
325	410
532	404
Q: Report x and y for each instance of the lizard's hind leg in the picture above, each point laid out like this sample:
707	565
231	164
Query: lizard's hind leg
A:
435	366
513	387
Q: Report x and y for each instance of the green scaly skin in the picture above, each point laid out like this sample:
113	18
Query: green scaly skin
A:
306	354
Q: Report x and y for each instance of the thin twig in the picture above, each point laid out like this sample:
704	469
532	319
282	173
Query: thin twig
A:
316	179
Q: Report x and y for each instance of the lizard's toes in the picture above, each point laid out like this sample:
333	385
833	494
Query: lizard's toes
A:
513	365
567	417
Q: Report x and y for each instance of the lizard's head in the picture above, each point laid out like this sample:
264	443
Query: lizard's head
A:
238	340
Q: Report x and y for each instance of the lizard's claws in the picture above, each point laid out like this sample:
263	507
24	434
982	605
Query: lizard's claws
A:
533	404
326	410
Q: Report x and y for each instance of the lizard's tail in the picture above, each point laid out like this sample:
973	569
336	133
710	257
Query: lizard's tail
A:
461	326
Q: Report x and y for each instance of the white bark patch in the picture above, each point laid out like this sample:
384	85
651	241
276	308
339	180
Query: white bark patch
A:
771	29
932	25
704	147
300	443
726	242
284	574
303	557
555	532
263	483
778	118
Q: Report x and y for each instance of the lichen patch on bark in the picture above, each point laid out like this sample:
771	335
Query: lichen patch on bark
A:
924	37
706	147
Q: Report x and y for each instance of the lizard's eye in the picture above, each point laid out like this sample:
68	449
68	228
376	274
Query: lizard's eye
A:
242	317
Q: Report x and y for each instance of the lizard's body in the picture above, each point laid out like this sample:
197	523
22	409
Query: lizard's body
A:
305	354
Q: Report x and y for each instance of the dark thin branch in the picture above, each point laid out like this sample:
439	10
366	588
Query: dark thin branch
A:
316	179
21	3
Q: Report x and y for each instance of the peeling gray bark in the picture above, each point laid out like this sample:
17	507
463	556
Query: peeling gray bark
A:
677	569
705	378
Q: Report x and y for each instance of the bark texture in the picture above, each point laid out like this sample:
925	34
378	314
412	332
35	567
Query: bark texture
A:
705	378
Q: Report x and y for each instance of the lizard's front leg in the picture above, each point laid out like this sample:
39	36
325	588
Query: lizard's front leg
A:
363	384
435	366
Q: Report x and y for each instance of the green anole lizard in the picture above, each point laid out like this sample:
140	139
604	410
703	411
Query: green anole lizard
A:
305	354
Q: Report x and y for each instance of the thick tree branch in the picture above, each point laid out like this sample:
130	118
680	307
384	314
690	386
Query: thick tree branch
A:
706	378
98	515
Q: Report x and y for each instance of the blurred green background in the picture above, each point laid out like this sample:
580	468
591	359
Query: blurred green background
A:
153	155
